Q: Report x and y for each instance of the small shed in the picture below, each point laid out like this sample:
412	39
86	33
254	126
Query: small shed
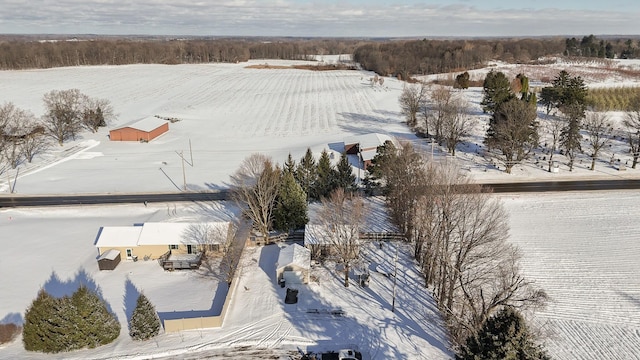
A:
293	264
109	260
143	130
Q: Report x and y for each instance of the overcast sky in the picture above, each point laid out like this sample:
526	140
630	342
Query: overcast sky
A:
349	18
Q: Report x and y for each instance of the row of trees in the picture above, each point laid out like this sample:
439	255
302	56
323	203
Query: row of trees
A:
421	57
30	53
82	320
67	112
459	234
276	198
590	46
437	112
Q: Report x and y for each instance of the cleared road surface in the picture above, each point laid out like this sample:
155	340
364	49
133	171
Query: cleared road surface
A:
520	187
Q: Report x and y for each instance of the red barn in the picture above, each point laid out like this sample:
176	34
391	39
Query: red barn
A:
143	130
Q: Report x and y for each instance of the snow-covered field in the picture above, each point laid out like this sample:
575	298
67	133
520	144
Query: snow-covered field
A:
583	249
580	247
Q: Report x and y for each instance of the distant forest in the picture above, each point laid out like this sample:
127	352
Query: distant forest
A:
402	58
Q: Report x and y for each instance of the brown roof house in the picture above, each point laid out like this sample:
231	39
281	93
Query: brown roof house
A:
143	130
366	146
174	245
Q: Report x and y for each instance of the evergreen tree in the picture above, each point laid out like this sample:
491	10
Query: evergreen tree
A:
497	90
326	177
290	212
145	322
345	178
306	173
95	324
462	81
69	323
504	336
290	165
567	93
43	325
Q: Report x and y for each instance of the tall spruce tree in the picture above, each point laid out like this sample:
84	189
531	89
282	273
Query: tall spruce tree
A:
345	178
497	90
306	173
290	165
145	322
504	336
326	177
43	327
290	212
95	325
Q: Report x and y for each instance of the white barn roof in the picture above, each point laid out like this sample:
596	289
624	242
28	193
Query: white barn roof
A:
119	236
147	124
294	254
160	233
368	141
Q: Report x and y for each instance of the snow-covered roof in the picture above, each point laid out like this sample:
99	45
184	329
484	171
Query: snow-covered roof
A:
147	124
112	254
323	235
294	254
368	155
163	233
368	141
119	236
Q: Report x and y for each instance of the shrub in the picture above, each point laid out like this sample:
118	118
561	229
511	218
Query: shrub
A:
8	332
69	323
144	323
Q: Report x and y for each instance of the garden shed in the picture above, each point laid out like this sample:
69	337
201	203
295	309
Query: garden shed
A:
109	260
293	264
143	130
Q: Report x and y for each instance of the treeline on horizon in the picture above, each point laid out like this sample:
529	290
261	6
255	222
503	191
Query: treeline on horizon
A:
402	58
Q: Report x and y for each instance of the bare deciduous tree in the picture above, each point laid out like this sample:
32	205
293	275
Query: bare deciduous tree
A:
20	135
554	128
632	123
63	111
96	113
599	130
457	124
340	219
436	110
254	187
412	100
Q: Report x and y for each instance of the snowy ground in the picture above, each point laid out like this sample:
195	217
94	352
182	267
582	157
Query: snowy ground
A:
580	247
56	252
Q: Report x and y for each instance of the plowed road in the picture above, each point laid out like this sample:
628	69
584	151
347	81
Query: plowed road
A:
92	199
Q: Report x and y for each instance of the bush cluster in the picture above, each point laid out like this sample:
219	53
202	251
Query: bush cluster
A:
8	332
79	321
613	98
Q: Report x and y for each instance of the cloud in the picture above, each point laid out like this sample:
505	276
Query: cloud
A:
303	18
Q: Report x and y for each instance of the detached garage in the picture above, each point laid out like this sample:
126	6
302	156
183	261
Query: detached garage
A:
143	130
293	264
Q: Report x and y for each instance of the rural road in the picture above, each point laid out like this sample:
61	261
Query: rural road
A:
92	199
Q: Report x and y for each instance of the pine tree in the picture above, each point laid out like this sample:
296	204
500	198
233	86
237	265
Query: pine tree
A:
145	322
504	336
344	174
290	212
326	177
40	323
306	173
95	324
497	90
290	165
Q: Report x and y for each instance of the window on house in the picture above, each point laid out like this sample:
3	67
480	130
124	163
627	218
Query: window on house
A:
173	247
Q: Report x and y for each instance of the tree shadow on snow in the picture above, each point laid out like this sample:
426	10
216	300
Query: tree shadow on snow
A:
12	318
57	287
130	299
214	310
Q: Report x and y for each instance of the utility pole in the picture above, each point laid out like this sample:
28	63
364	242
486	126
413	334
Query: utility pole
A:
191	152
184	176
